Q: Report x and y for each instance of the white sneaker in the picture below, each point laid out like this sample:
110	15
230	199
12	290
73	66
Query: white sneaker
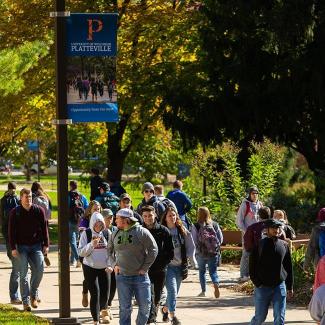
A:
243	279
201	294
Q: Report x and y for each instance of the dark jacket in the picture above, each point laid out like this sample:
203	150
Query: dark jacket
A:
312	255
270	263
95	182
181	200
154	202
28	227
253	235
165	245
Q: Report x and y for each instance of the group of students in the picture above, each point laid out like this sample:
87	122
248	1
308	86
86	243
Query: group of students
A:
266	256
141	251
266	259
16	237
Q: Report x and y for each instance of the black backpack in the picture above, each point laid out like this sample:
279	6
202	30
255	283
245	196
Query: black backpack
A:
77	210
8	202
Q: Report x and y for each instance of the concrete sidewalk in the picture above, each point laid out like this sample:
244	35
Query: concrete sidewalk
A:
230	308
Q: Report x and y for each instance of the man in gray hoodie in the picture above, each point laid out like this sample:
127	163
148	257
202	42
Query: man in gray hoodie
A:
132	250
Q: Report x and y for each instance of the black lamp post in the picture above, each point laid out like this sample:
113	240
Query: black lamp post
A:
62	158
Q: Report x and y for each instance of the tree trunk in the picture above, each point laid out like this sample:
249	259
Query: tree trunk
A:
115	163
319	180
115	155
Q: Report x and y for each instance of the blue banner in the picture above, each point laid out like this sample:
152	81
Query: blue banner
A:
92	34
91	67
93	113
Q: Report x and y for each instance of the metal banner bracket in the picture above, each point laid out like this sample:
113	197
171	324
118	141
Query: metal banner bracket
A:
62	122
55	14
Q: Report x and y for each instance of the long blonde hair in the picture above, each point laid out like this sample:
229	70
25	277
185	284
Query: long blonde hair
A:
203	215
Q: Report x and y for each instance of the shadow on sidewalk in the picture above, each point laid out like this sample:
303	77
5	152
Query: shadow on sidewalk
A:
206	303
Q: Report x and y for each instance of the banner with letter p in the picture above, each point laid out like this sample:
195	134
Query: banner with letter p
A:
91	70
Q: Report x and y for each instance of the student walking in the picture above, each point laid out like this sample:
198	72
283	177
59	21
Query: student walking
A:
317	237
177	269
182	202
132	251
208	238
157	271
8	202
77	204
93	248
149	198
108	218
29	240
246	216
93	207
317	303
270	269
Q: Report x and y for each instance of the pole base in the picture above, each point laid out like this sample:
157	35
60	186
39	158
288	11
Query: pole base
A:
65	321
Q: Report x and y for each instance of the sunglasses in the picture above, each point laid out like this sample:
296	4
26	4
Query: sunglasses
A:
148	191
256	193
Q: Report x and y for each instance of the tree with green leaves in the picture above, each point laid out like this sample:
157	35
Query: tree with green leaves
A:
151	38
262	74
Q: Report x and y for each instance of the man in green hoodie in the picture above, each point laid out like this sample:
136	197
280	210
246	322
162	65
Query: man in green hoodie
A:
132	250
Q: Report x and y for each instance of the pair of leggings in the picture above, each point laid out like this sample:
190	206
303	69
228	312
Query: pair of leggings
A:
98	282
112	289
84	283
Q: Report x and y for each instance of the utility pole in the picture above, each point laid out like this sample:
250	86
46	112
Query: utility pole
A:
62	158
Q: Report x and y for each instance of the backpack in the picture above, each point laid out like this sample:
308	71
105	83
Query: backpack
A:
110	202
77	210
43	202
207	241
168	203
8	202
321	242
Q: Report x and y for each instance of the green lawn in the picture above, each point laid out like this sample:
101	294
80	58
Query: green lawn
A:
50	185
11	315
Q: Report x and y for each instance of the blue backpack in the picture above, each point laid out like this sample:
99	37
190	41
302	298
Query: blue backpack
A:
321	242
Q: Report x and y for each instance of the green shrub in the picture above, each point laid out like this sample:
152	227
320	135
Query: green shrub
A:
302	281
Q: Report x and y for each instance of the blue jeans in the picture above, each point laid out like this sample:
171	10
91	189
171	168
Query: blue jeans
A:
33	256
173	283
212	266
129	286
14	275
73	236
263	297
